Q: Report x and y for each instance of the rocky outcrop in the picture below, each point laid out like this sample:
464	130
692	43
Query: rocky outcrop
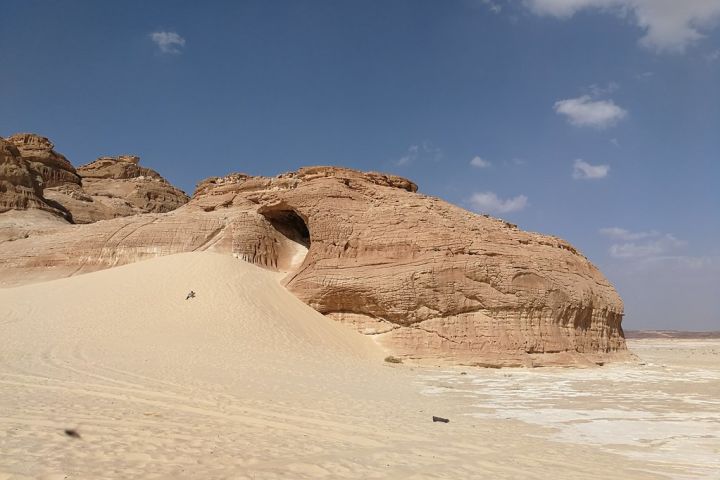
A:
37	177
117	187
426	278
53	167
122	167
20	186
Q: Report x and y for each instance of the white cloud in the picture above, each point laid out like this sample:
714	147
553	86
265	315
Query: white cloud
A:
480	162
668	25
648	245
584	171
656	248
489	202
586	112
618	233
493	6
713	56
598	90
674	291
615	142
423	151
168	42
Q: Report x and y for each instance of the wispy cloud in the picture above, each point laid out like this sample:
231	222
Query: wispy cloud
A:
420	152
492	5
168	42
642	245
585	171
678	285
586	112
600	90
480	162
713	56
658	247
668	25
617	233
489	202
518	162
615	142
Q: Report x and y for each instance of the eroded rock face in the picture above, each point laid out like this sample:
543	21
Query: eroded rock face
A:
38	151
37	177
117	187
122	167
20	187
427	278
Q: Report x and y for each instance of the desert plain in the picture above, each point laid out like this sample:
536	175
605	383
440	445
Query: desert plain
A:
115	374
398	240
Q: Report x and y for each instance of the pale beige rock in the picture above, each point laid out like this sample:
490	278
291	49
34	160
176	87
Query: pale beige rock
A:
17	224
119	187
426	278
121	167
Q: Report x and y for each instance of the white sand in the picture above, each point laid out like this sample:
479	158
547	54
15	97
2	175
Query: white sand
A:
245	381
664	411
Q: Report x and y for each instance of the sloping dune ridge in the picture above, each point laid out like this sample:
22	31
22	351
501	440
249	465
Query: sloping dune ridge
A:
242	381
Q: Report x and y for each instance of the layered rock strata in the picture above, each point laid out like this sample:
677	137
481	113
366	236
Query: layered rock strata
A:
20	186
52	166
427	278
117	187
109	187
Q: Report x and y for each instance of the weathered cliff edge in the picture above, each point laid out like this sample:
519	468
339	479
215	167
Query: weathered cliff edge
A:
34	176
426	278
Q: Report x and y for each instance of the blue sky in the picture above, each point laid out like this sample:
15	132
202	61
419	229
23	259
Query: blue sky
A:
594	120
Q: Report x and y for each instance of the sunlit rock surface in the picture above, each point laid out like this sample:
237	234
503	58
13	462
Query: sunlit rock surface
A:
426	278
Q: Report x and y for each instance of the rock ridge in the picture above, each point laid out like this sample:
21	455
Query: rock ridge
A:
106	188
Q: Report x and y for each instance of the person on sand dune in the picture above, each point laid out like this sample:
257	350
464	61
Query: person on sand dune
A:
190	295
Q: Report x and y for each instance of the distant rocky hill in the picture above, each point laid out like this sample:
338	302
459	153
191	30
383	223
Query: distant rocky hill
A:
660	334
426	278
109	187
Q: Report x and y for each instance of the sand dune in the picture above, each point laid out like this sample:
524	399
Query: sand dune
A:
242	381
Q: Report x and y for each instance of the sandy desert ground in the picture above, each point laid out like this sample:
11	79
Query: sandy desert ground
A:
245	381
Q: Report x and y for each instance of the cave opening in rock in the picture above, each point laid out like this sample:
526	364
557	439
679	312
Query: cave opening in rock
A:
290	224
294	238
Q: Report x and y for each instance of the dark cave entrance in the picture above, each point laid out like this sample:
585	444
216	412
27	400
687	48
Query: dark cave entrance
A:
293	241
290	224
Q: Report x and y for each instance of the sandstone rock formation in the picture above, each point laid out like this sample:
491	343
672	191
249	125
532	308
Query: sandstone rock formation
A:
117	187
427	278
20	187
53	167
107	188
